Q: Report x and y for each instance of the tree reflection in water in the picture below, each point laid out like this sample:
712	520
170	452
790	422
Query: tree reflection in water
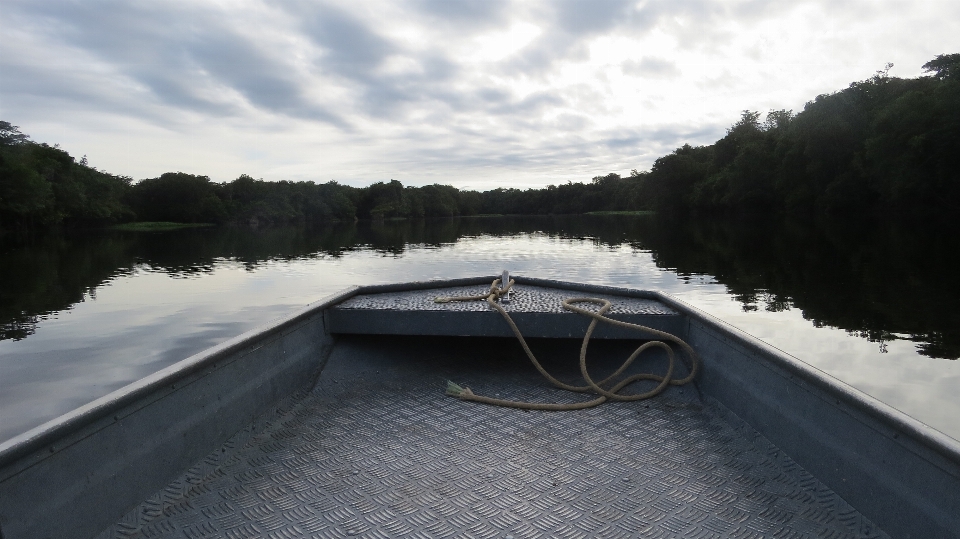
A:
878	282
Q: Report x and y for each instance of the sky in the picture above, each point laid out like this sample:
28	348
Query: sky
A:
476	94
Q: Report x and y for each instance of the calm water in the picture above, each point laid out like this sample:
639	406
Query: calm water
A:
84	314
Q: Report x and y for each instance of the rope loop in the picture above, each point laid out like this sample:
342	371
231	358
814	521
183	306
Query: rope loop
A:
602	388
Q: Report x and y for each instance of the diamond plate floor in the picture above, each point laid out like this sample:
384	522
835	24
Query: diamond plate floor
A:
523	298
376	450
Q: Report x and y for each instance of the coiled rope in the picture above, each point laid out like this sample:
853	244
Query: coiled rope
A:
610	392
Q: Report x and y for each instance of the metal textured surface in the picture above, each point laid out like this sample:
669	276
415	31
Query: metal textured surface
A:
80	472
523	298
376	450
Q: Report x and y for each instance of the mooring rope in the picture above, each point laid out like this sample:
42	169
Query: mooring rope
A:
612	393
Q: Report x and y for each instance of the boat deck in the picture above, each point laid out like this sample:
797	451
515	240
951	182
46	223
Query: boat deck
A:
523	298
376	450
537	310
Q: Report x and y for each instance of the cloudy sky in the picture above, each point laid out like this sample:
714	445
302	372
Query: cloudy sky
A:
476	94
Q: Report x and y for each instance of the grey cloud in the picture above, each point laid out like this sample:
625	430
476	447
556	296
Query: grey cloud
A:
501	102
753	9
173	59
633	148
177	58
354	52
50	94
571	122
510	153
233	60
465	13
701	25
386	96
133	40
665	137
650	67
656	12
535	102
621	141
349	47
183	55
267	82
567	25
493	95
581	18
703	19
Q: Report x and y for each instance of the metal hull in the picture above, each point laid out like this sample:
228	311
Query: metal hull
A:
78	475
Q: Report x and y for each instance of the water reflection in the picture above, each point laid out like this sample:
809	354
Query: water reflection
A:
879	284
85	314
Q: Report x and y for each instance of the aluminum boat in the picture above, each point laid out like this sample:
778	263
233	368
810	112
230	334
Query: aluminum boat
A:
334	422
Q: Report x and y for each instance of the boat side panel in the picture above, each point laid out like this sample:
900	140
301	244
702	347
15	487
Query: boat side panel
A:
903	486
84	482
489	324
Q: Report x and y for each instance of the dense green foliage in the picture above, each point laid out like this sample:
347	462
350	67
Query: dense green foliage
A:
246	200
610	192
882	146
42	185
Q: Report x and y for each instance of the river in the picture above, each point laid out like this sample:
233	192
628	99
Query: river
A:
84	313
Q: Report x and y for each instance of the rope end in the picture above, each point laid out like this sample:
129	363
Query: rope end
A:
453	389
441	300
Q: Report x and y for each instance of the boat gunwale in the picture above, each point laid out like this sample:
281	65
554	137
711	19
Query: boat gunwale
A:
872	407
66	424
62	426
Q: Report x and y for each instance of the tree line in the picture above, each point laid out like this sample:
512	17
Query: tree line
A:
882	146
42	185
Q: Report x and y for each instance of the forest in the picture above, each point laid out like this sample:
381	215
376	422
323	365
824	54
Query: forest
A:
885	146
